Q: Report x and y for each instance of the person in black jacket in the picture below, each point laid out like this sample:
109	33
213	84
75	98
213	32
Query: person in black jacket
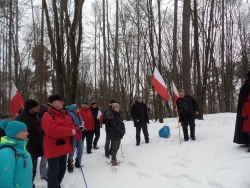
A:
241	137
94	108
117	130
140	117
34	146
188	109
108	150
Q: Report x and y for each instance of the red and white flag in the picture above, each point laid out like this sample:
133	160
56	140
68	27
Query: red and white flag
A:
16	100
176	95
160	85
99	115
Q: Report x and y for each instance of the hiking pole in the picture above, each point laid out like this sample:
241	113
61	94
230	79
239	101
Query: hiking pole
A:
80	164
122	150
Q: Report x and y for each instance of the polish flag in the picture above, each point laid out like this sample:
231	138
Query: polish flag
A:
176	95
160	85
16	100
99	115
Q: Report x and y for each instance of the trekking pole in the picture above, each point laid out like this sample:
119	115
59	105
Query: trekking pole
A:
80	165
122	150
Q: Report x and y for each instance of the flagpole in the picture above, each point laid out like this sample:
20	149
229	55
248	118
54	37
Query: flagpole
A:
179	127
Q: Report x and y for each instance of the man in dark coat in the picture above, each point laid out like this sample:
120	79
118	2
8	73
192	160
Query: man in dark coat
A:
34	146
140	117
241	137
188	109
108	148
95	110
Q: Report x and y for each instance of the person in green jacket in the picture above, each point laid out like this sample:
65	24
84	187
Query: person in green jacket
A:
16	165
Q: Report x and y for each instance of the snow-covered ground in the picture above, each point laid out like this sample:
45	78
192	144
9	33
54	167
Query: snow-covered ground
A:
212	161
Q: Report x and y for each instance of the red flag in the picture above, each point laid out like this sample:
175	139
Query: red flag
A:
99	115
176	95
160	85
16	100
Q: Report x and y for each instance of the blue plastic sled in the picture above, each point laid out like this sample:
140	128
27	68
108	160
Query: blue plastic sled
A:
164	132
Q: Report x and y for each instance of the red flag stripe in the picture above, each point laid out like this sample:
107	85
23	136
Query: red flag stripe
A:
16	101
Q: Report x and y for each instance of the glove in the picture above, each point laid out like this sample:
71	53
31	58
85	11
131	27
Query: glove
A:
245	117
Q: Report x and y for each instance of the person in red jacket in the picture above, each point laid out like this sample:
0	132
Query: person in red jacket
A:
58	132
89	125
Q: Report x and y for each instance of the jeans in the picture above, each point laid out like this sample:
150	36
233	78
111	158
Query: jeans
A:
43	168
115	148
97	136
78	146
144	128
57	168
108	150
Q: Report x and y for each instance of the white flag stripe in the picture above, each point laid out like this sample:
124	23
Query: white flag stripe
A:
158	77
99	114
175	90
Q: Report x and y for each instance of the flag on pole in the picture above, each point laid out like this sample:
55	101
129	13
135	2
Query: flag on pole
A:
160	85
99	115
176	95
16	100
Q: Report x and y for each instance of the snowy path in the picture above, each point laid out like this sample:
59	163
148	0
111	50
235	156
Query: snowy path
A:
212	161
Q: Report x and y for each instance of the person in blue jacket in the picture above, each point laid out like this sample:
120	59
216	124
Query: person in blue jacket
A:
16	164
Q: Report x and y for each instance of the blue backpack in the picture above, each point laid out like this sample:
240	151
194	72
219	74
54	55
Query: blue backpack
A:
164	132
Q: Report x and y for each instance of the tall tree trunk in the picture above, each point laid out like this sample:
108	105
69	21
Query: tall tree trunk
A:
186	47
222	104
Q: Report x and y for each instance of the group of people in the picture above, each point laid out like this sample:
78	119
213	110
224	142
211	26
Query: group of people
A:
53	133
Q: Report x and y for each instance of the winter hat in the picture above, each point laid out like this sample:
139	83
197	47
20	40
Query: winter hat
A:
93	102
85	102
112	101
137	97
29	104
14	127
115	105
71	108
56	97
7	115
3	124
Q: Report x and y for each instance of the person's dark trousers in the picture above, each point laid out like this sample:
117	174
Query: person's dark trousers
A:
56	171
144	128
108	150
186	119
97	136
89	139
34	163
115	148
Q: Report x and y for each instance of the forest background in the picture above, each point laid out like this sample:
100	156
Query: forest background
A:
103	50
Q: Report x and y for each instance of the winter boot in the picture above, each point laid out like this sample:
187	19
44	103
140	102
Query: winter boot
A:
70	165
147	140
78	163
114	162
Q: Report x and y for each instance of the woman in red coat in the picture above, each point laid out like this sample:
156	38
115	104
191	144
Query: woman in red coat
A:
89	125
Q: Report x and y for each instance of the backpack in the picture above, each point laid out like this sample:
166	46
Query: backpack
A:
164	132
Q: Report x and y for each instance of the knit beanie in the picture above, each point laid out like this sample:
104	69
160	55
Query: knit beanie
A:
14	127
115	105
71	108
137	97
29	104
112	101
4	123
93	102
